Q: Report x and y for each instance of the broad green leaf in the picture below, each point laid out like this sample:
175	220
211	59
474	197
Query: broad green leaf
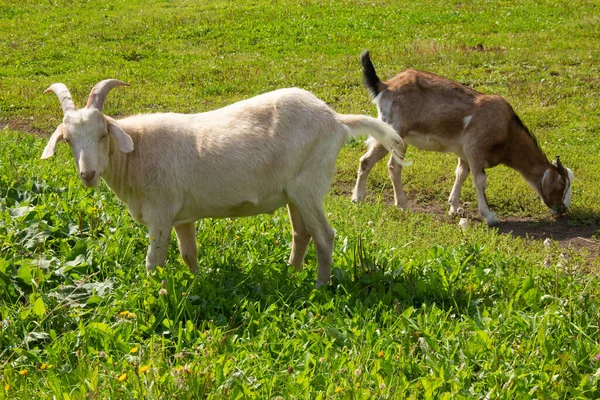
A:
94	299
101	327
24	273
39	308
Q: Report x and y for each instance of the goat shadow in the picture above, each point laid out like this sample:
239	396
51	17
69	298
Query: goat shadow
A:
578	229
568	232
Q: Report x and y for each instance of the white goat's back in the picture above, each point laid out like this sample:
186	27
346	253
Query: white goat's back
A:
245	158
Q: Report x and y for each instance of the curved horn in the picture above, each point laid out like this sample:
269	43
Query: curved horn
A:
559	166
64	96
100	91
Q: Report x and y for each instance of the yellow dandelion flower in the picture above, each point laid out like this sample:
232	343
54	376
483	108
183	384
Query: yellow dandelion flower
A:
43	367
7	387
122	378
134	350
381	354
144	369
123	313
338	389
131	315
23	372
183	293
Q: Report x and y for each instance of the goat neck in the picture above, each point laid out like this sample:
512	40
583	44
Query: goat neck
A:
523	154
116	175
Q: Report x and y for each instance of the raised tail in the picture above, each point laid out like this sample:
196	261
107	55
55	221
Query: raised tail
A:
370	78
360	125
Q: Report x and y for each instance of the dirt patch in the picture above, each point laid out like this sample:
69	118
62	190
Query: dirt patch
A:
565	232
21	124
568	233
481	48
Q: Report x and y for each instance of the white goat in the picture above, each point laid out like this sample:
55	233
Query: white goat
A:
433	113
249	158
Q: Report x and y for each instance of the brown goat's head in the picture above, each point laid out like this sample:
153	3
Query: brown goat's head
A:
556	187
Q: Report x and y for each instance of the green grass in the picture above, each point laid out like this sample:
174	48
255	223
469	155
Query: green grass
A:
417	309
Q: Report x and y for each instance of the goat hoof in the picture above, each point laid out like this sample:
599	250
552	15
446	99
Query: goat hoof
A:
150	269
456	211
493	223
320	284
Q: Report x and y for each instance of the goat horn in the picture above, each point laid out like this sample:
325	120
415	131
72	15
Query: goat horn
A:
64	96
100	91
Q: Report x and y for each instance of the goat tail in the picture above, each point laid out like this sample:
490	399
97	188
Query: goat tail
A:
360	125
370	78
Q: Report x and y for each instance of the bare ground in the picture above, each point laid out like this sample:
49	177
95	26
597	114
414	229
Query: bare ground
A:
567	232
563	231
21	124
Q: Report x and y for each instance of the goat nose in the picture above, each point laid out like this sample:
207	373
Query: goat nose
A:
88	175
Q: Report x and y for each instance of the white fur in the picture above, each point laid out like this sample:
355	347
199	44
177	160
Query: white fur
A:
546	177
248	158
376	99
467	121
568	189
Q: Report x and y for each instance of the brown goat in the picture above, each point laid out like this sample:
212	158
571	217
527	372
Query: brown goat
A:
434	113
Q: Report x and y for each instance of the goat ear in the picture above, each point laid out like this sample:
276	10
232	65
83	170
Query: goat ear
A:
551	176
123	139
546	178
51	146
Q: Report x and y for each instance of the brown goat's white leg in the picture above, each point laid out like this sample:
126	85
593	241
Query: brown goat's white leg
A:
462	172
395	172
375	153
188	248
317	226
300	237
159	236
480	178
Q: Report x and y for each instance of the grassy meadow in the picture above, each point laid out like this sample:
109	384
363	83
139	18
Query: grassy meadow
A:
418	308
